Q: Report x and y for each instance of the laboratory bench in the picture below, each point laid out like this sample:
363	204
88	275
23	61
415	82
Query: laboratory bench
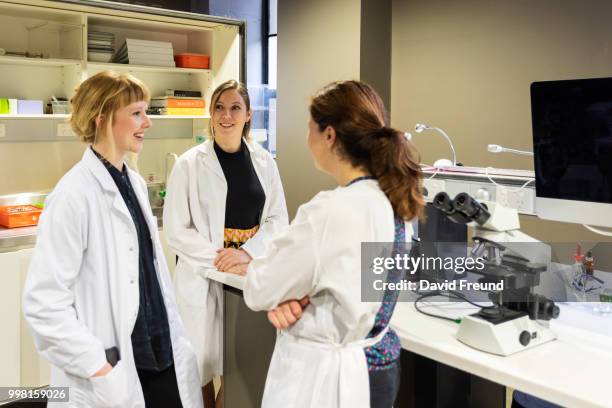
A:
440	371
569	371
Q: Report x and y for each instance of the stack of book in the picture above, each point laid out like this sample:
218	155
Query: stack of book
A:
177	105
145	52
181	92
100	46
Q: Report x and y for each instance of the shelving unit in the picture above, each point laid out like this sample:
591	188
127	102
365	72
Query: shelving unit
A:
59	33
37	150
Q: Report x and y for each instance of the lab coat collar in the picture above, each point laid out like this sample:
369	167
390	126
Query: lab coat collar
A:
107	183
209	157
257	153
100	172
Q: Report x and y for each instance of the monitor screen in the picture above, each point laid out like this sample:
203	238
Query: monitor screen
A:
572	139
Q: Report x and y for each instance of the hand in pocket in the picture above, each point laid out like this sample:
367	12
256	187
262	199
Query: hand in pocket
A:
113	389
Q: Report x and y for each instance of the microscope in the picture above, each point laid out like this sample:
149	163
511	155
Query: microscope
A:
519	318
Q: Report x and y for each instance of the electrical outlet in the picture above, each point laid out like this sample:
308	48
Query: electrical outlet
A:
433	187
2	130
523	201
64	130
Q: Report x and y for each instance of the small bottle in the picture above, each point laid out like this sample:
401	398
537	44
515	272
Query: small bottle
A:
578	275
591	284
589	266
578	267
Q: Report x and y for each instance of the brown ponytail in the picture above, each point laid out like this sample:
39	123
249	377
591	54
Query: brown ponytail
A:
358	116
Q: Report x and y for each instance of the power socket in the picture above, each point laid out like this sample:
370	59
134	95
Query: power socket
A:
523	201
2	130
433	187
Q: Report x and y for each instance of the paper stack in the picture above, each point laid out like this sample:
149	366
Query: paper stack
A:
100	46
145	52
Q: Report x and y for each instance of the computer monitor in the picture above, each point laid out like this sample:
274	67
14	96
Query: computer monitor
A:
572	146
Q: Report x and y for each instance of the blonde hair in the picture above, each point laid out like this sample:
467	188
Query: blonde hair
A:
102	95
244	93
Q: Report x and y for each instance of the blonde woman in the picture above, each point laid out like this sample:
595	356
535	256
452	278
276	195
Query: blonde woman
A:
98	296
225	200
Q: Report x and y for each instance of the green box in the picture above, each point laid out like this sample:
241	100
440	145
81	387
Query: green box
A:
4	106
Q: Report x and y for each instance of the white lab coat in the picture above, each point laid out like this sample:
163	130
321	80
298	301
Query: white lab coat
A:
319	361
81	294
194	221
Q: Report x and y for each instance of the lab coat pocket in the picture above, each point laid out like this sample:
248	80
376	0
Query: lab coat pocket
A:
191	285
113	389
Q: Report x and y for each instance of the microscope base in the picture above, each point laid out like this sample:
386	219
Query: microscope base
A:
505	338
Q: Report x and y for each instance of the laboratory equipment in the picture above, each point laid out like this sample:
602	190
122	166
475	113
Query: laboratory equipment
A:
572	146
519	318
495	148
420	127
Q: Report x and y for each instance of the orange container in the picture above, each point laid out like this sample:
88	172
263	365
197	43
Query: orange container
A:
12	216
192	61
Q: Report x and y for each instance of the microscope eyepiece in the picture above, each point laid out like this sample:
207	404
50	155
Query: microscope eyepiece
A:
443	203
471	208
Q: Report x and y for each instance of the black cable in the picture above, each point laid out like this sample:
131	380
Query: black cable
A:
432	294
450	294
461	296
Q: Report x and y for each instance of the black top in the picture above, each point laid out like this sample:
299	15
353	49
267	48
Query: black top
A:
245	195
151	335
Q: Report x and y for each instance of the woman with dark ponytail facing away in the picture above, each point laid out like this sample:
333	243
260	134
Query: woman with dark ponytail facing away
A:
335	350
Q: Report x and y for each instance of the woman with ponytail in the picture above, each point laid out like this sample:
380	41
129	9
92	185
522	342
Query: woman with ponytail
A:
335	350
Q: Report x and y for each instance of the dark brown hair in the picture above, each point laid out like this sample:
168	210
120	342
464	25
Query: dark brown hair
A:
358	116
244	93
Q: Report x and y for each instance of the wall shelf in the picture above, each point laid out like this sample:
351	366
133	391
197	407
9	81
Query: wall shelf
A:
145	68
41	62
43	116
67	116
170	117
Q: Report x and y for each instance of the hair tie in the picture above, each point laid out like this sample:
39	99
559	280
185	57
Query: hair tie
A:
385	132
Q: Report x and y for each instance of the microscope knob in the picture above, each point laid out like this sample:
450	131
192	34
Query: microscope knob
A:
524	338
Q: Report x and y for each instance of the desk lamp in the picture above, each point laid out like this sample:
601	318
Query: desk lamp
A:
493	148
420	127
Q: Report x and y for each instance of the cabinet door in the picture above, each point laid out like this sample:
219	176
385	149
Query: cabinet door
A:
35	370
10	310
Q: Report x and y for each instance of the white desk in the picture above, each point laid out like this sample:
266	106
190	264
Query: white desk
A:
229	279
572	371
